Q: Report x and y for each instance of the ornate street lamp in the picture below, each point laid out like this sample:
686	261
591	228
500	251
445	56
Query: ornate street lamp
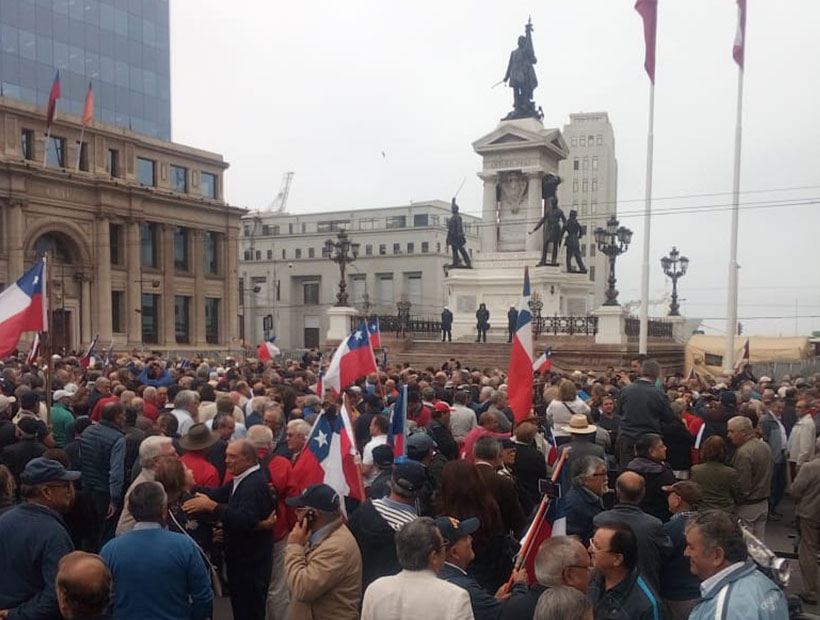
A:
674	266
342	252
612	241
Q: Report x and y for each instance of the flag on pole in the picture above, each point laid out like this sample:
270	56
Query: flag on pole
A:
53	96
692	374
744	359
88	109
648	10
544	362
23	307
519	382
267	350
352	360
87	360
739	48
34	353
375	334
397	428
108	357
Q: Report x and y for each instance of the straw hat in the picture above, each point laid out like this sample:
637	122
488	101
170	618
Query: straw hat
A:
579	425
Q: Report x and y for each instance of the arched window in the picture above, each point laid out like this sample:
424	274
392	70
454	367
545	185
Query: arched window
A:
55	245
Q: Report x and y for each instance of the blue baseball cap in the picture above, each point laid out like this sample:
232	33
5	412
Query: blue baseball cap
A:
319	496
452	529
42	470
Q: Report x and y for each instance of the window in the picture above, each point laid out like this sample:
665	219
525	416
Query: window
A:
179	179
421	219
331	225
304	228
207	184
594	207
594	185
298	253
149	248
247	231
397	248
397	221
574	185
584	207
438	247
27	143
595	163
55	152
247	255
311	252
117	311
582	141
290	229
84	156
591	140
592	249
575	165
283	254
583	249
585	185
212	320
212	253
425	247
325	252
574	141
115	240
411	248
599	139
145	171
368	249
592	273
310	290
586	163
181	249
270	254
384	290
258	254
182	319
150	318
382	249
265	229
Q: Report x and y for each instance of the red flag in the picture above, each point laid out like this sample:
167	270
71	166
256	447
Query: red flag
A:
649	12
739	49
53	96
88	110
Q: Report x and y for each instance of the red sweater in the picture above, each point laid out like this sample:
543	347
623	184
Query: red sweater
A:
205	474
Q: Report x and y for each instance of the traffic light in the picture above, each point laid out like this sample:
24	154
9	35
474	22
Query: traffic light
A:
739	328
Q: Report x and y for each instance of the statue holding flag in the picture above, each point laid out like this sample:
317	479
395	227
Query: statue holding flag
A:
520	76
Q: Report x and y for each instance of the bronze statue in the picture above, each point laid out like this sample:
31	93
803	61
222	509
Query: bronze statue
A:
456	239
574	232
521	77
553	220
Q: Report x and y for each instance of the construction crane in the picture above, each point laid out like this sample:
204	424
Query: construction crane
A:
280	202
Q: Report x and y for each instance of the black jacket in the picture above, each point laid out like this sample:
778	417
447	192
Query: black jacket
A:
523	606
528	468
444	439
485	605
642	408
655	475
17	455
677	581
376	539
581	507
679	442
632	599
446	319
503	490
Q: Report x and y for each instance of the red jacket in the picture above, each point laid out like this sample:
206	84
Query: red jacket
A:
95	413
205	474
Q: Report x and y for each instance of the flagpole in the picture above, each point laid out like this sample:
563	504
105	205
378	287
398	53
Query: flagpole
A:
45	145
731	302
647	224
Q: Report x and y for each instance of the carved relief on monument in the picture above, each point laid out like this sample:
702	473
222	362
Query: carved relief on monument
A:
513	191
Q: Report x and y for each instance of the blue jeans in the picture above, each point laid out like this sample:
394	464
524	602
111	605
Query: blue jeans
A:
778	484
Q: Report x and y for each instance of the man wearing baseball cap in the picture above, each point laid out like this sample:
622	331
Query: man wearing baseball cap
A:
33	537
322	561
458	543
679	588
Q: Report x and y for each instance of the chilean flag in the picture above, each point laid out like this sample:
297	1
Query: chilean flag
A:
53	96
34	353
23	308
352	360
267	351
88	357
329	457
648	10
375	334
739	48
519	383
397	429
744	359
544	363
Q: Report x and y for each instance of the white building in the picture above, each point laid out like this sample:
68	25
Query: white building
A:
286	275
590	186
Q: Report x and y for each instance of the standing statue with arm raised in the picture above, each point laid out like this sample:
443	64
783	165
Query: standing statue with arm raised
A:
553	220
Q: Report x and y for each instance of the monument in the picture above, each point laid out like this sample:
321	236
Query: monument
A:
520	176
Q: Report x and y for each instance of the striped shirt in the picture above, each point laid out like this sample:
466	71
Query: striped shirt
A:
395	513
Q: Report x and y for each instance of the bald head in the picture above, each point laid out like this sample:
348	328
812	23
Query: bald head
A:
630	488
83	585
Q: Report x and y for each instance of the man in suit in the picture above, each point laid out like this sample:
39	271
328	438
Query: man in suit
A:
241	504
487	455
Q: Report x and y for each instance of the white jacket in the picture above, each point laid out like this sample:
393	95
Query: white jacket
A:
412	595
801	440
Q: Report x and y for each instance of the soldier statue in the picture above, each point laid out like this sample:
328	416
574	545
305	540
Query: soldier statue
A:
553	220
456	239
521	76
574	231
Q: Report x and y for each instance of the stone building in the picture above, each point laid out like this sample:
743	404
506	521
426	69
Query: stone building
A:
144	246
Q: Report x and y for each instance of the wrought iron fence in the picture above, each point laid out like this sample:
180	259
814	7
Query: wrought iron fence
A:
660	330
402	325
565	325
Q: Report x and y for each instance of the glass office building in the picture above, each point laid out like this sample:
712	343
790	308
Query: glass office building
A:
120	46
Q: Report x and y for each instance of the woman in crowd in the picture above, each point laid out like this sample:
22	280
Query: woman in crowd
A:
717	480
560	410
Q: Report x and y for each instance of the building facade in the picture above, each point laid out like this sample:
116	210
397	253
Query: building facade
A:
590	186
287	278
120	46
144	249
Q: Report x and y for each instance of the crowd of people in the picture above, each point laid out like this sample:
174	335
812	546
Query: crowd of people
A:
152	486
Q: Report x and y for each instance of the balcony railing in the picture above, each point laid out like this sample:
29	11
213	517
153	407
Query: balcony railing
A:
658	330
565	325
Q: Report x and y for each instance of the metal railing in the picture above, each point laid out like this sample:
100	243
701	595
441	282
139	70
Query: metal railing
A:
659	330
565	325
401	325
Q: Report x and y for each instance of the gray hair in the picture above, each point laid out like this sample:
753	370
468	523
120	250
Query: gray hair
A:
720	529
185	398
151	447
650	369
585	467
312	401
486	448
553	557
562	602
258	404
147	500
247	449
498	396
299	426
260	436
740	423
487	391
414	543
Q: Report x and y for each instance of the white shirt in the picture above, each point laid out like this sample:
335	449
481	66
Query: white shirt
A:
559	413
462	421
185	421
707	584
801	440
242	476
415	594
367	457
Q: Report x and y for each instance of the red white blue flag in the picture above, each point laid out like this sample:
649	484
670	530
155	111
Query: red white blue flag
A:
352	360
267	350
34	353
53	95
397	429
23	308
739	48
375	333
649	12
88	359
744	359
519	382
543	363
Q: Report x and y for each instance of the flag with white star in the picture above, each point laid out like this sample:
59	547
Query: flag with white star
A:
351	361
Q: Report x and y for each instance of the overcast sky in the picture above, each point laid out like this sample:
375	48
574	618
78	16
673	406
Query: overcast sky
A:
323	88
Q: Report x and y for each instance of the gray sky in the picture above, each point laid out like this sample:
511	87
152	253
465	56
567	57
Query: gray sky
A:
322	88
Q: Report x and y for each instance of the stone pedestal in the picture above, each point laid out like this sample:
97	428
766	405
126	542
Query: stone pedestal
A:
338	323
611	325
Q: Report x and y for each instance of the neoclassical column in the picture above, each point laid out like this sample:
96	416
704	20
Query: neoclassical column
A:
534	209
230	333
198	331
103	279
85	312
133	302
168	323
489	228
15	238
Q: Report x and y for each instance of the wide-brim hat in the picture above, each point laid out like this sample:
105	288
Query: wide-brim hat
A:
199	437
579	425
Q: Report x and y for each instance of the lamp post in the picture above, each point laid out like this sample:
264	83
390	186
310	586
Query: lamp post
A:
342	252
613	241
674	266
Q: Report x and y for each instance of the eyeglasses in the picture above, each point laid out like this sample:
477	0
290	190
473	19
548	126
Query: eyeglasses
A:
595	549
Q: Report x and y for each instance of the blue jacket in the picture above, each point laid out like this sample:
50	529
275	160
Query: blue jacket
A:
164	381
485	605
581	507
33	539
677	581
745	594
102	458
154	573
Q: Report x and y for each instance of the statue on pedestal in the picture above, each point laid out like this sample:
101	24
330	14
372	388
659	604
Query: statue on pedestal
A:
456	239
574	231
521	77
553	220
